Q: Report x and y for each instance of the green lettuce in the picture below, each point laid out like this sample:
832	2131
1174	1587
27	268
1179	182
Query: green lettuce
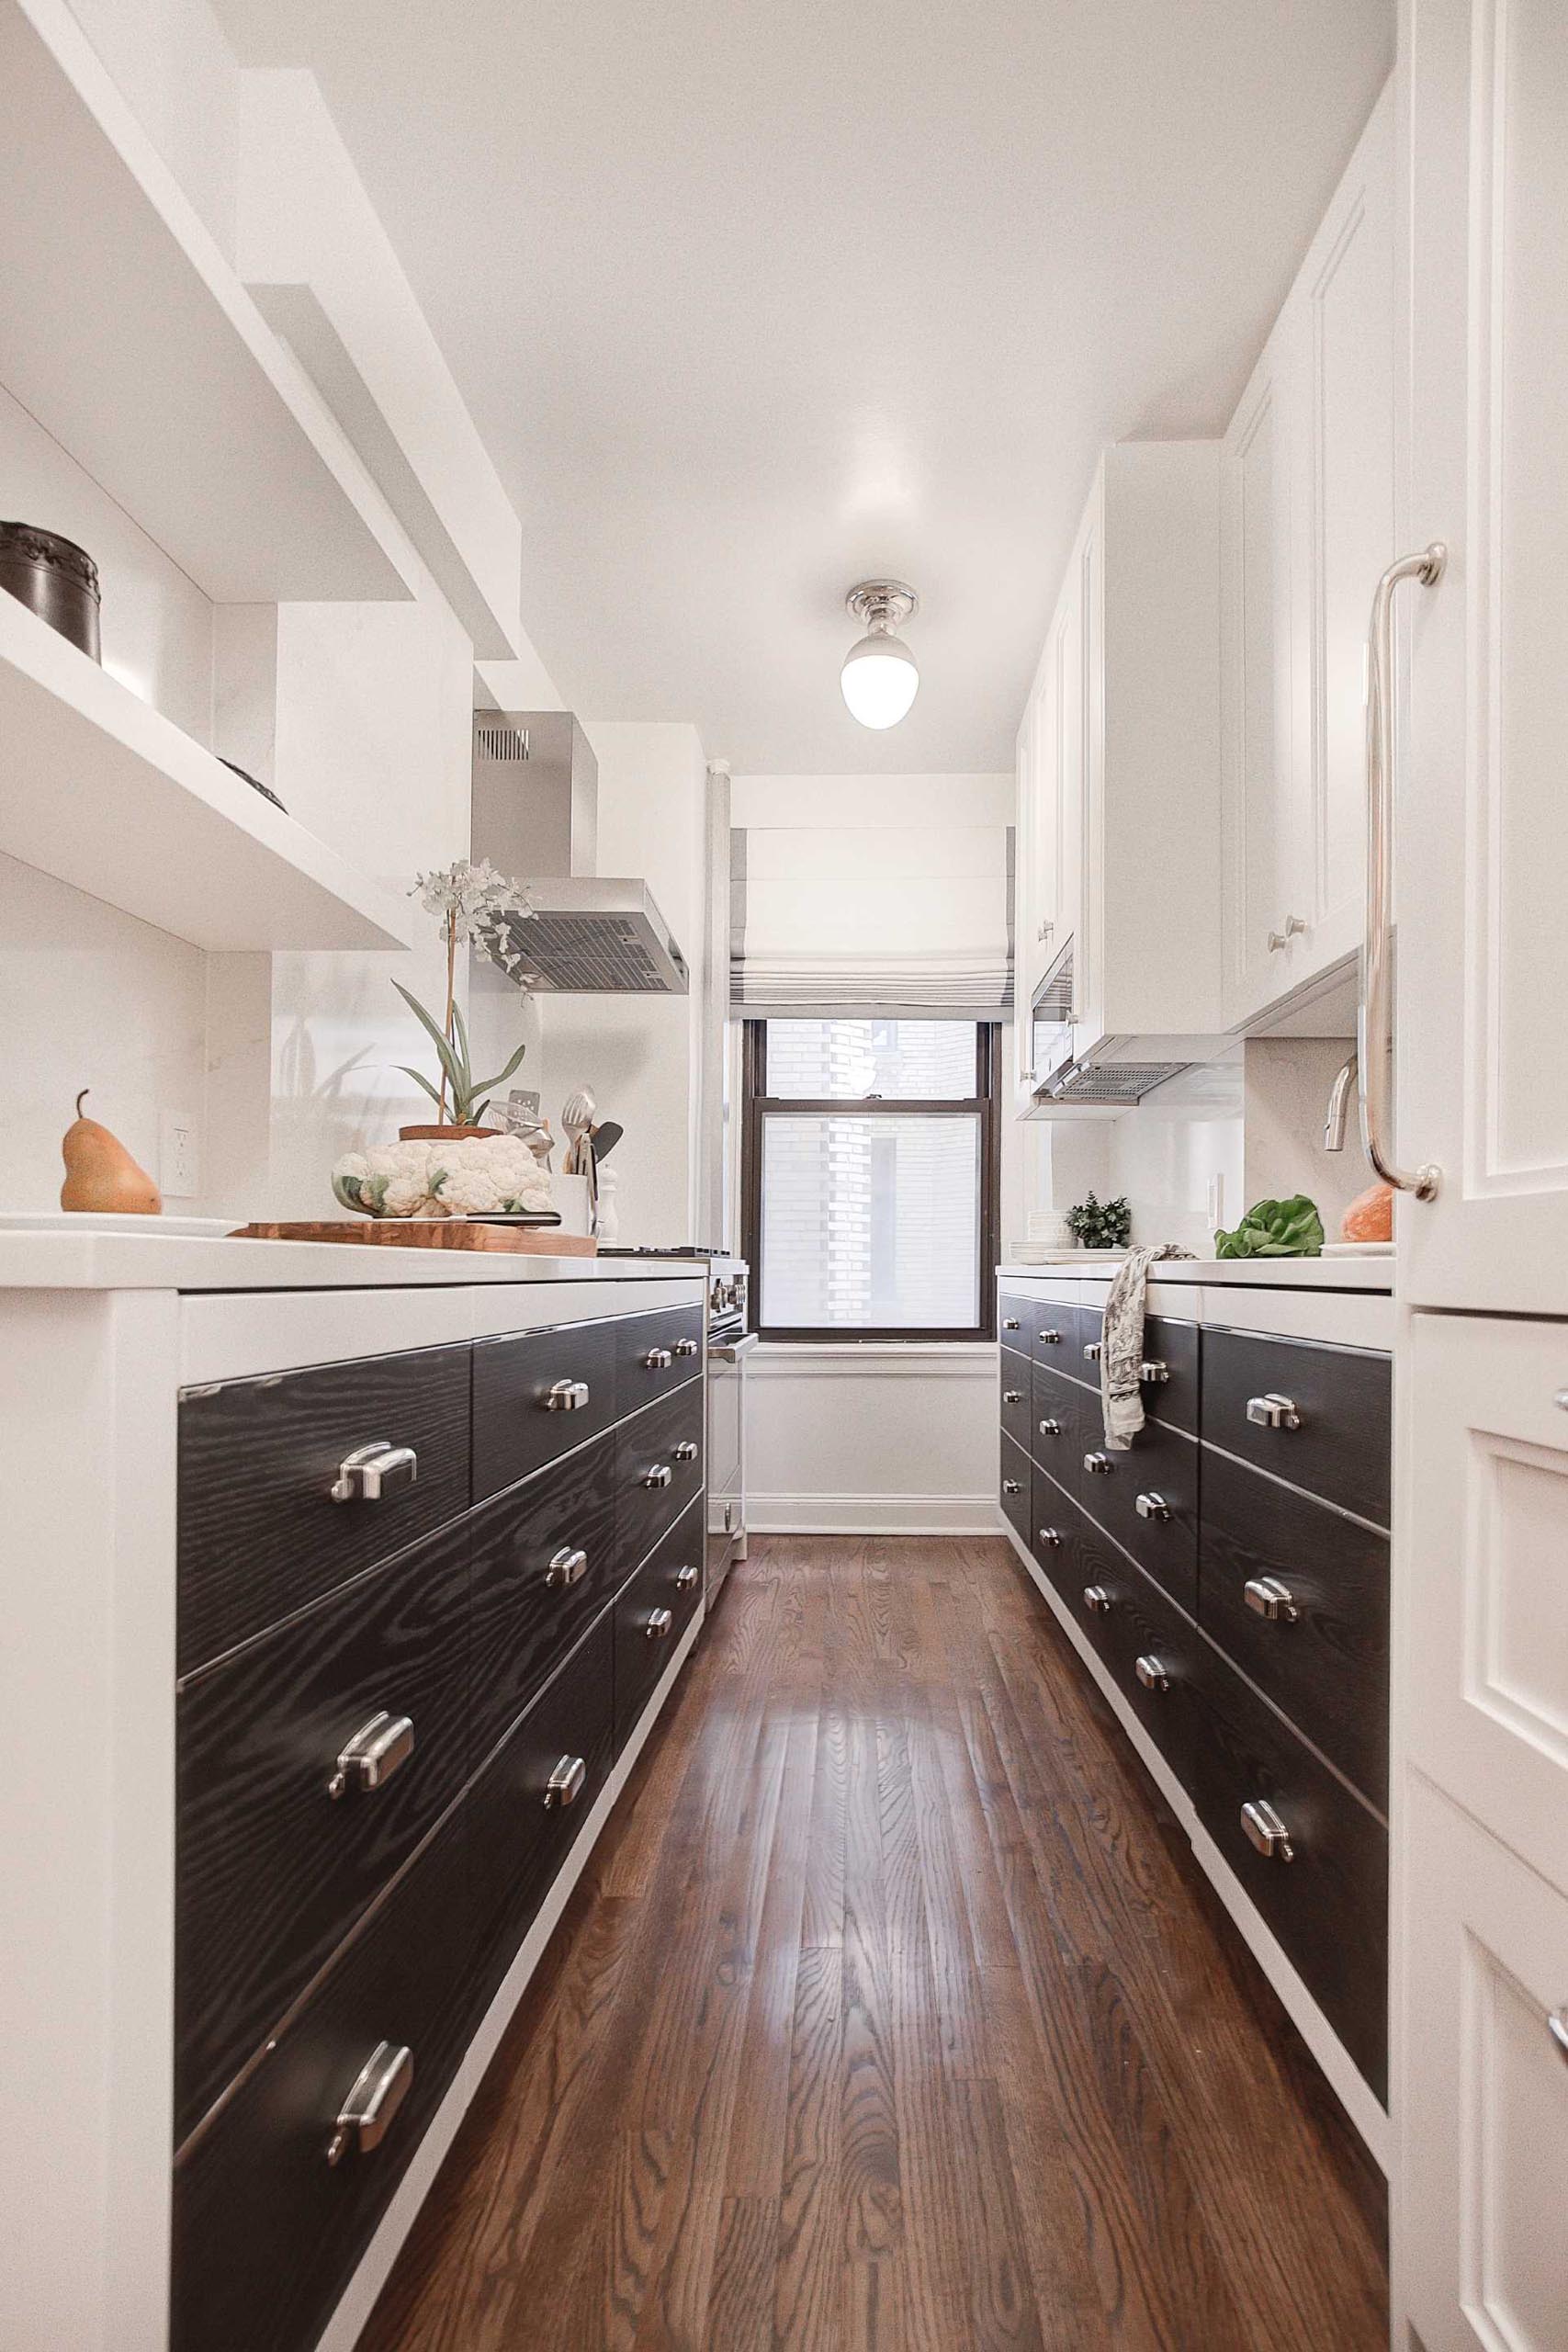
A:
1290	1229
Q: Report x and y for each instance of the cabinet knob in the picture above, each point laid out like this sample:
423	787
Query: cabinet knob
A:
379	2089
1268	1832
1013	1396
1152	1507
568	1567
1294	926
658	1360
686	1578
374	1470
1049	1339
1052	1536
686	1451
1010	1323
660	1475
658	1624
367	1761
1273	1412
1096	1601
1151	1673
565	1784
1099	1465
1049	1428
1154	1373
686	1347
1012	1486
1091	1351
565	1397
1268	1596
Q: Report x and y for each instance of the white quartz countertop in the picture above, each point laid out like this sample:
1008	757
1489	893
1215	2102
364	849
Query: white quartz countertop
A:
93	1259
1252	1273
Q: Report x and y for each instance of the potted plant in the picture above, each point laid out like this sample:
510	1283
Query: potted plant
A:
1101	1224
464	899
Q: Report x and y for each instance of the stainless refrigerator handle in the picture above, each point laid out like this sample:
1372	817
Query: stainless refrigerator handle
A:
732	1351
1375	1022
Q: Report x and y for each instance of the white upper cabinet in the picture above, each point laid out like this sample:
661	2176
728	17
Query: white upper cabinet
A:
1481	809
1308	526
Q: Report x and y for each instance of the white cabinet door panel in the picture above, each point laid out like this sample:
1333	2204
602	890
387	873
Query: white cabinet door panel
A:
1484	1572
1482	811
1481	2250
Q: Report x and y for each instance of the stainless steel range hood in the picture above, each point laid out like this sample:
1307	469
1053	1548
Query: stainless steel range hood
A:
536	814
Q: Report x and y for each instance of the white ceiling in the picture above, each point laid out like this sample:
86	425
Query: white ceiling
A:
750	300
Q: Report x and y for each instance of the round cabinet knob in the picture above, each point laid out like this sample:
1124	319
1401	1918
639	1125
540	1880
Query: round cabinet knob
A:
1049	1428
1099	1465
1052	1538
1294	926
1268	1832
1152	1507
658	1624
1096	1601
1270	1597
1152	1674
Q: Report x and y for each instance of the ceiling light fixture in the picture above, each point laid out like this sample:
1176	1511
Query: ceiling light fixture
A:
879	676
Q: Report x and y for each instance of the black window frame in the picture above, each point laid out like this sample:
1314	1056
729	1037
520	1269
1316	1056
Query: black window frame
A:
758	1105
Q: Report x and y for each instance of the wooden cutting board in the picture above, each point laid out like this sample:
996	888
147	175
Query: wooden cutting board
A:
431	1233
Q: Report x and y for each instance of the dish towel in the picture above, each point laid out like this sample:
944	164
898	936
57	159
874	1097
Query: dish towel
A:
1122	1345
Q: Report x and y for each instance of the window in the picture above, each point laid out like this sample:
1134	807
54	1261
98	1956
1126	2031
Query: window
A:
870	1178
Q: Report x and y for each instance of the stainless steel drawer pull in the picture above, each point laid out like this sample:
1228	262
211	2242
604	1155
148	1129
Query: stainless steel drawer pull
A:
1153	1373
1012	1486
1010	1323
568	1567
368	1760
1013	1396
1099	1465
658	1360
658	1624
379	2089
686	1347
1273	1412
1049	1339
1268	1597
374	1470
1557	2027
687	1450
565	1397
1097	1600
1052	1537
660	1475
1049	1428
686	1578
1153	1507
565	1784
1152	1674
1091	1351
1268	1832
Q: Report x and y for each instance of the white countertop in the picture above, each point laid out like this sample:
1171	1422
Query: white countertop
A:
1254	1273
145	1258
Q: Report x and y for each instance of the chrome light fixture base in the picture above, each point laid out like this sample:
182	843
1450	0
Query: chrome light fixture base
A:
882	604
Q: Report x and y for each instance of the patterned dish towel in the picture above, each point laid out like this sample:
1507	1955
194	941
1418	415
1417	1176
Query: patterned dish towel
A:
1121	1347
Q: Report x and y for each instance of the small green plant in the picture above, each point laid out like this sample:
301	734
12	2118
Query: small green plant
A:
1101	1224
1290	1229
456	1070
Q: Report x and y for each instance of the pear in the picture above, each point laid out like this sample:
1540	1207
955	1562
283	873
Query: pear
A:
101	1175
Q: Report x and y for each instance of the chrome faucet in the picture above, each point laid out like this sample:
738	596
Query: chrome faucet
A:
1338	1103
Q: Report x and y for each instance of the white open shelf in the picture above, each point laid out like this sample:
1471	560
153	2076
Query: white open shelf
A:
103	792
127	335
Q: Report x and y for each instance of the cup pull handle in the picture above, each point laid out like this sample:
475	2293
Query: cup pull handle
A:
1268	1832
660	1475
568	1567
658	1624
566	1396
565	1784
379	2089
372	1470
377	1749
687	1450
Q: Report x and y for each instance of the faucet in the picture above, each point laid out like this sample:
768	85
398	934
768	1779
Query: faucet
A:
1339	1101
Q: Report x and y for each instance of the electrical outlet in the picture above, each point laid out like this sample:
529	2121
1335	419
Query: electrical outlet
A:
1216	1202
179	1154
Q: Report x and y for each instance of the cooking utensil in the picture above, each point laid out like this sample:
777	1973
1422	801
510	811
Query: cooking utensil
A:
603	1140
576	1118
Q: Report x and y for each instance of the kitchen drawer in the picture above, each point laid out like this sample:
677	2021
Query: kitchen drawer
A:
1147	1498
1014	1320
1054	1335
260	1462
1015	1477
1315	1415
1061	1427
1014	1406
1170	1389
520	1826
537	1395
1150	1648
1054	1534
273	1868
1298	1596
655	1353
658	1468
1328	1903
545	1562
651	1613
266	2229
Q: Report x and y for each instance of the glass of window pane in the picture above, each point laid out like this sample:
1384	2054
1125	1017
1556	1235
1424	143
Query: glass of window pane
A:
907	1061
871	1223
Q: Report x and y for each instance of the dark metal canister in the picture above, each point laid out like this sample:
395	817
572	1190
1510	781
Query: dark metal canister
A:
54	578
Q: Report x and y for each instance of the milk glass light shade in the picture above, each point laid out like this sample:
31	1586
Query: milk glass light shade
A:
880	675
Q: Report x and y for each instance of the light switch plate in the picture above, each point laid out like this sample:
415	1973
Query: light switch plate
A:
179	1154
1216	1202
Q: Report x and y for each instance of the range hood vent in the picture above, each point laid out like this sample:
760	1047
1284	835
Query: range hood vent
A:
535	814
1107	1082
1118	1072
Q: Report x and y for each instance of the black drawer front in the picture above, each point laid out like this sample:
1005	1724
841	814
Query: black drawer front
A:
1151	1650
655	1353
265	2230
536	1395
1062	1423
1054	1335
534	1598
651	1613
1015	1477
1170	1352
1341	1400
658	1468
1055	1535
1015	1415
260	1534
1147	1498
519	1829
1315	1633
1328	1905
1013	1321
273	1869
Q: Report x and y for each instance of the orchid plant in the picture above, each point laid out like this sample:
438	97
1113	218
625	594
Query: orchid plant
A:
467	900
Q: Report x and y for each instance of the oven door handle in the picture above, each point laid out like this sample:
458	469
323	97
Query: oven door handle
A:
732	1351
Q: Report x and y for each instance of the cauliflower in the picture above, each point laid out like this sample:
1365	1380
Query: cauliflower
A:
463	1176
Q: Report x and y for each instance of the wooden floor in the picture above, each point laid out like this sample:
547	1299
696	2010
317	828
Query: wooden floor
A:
893	2011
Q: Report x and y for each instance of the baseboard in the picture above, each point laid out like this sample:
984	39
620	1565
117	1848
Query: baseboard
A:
871	1515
